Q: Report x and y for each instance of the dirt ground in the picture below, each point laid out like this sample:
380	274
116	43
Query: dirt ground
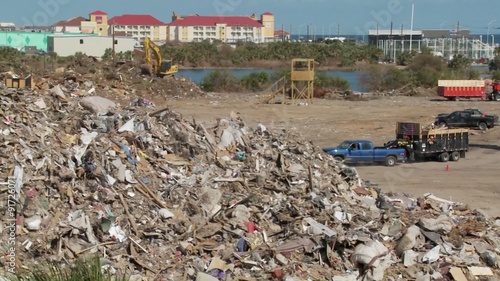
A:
473	180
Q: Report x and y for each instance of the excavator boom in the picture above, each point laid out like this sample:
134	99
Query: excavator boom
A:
158	66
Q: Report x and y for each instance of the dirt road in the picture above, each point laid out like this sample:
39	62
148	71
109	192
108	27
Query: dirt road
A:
473	180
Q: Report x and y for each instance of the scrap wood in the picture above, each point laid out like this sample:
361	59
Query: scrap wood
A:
151	194
130	217
93	247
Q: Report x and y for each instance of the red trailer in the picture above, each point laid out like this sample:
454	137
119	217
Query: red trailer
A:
456	89
467	89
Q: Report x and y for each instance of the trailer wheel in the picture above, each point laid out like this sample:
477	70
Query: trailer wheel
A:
444	157
496	96
390	161
442	125
482	126
455	155
338	158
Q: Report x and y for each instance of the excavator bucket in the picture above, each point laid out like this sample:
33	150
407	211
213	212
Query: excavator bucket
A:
146	69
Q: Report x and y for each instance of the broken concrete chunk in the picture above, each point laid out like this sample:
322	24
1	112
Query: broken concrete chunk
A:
205	277
480	271
96	104
432	255
33	223
442	224
165	213
413	239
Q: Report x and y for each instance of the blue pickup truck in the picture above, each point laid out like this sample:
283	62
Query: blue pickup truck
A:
363	151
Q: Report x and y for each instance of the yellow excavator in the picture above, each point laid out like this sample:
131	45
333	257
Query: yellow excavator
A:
157	66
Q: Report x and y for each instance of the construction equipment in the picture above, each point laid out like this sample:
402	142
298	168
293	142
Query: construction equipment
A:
157	66
467	89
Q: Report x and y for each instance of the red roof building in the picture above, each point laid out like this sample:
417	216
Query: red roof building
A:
70	22
72	25
98	13
282	35
214	20
135	20
281	32
139	27
196	28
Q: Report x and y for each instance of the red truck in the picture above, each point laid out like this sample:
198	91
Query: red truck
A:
467	89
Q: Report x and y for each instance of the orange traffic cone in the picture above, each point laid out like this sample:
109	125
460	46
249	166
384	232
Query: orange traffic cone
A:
447	168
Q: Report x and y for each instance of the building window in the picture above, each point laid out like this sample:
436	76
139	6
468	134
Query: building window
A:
116	42
100	28
81	41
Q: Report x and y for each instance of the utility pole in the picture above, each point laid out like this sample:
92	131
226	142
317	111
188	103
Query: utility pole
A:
113	39
307	33
390	41
411	25
377	35
458	32
402	39
291	32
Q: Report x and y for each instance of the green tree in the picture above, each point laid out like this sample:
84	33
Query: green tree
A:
405	58
108	54
372	79
394	78
427	69
495	63
459	62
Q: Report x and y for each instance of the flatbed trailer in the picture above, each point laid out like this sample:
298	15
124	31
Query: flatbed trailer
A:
441	144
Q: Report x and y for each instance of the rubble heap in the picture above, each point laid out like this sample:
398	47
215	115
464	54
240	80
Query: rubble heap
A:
119	81
167	198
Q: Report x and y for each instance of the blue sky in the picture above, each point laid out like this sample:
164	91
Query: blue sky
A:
325	16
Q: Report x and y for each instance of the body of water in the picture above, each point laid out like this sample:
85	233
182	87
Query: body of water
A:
196	75
353	77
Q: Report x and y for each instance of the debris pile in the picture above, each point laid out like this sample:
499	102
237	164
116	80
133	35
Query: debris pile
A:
167	198
120	82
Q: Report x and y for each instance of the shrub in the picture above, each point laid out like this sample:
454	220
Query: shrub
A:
495	75
219	81
255	81
90	270
322	79
395	78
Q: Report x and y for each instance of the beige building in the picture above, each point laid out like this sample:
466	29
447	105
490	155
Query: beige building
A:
97	24
227	29
72	25
90	45
139	27
267	20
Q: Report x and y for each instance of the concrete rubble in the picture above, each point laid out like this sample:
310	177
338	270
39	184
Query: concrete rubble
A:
164	197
